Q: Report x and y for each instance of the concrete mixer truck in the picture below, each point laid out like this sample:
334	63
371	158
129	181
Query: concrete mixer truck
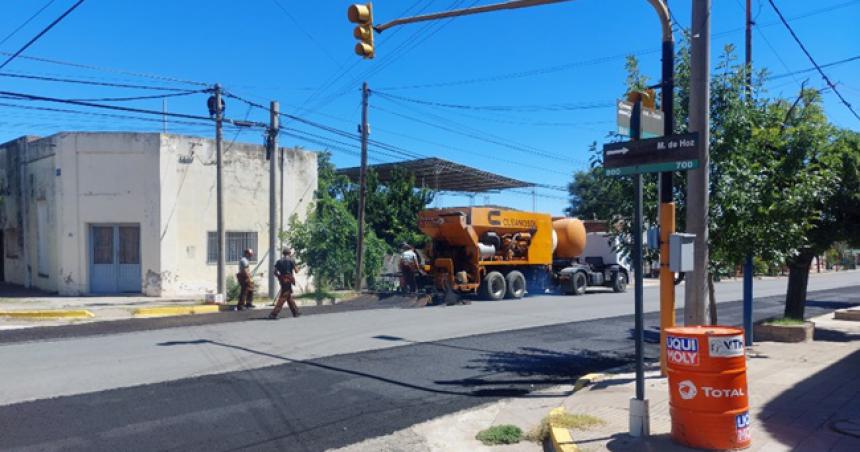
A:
503	253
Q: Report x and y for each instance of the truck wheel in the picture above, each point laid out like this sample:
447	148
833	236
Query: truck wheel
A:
516	285
579	283
620	282
493	286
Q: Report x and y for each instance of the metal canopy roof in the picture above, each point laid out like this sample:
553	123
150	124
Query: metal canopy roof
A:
442	175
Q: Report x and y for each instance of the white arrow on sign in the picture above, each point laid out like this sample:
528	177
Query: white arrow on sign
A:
621	151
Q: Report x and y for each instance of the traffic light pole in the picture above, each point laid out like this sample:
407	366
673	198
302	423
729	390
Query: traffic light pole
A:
639	424
362	189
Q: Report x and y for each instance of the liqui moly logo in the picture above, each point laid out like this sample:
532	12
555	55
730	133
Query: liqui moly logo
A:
742	425
726	347
682	350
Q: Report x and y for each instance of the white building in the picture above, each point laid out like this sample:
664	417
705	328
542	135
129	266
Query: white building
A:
93	213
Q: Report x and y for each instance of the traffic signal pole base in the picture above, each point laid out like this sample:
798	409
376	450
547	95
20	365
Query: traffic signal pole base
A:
640	418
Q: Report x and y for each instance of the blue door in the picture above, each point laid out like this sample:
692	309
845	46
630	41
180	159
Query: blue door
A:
115	259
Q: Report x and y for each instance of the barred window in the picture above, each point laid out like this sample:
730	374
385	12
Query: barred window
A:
234	243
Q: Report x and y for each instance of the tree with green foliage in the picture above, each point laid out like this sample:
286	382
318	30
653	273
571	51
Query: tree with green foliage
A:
325	242
770	172
391	209
836	207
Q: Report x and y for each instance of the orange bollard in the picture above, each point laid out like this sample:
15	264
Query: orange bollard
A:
708	398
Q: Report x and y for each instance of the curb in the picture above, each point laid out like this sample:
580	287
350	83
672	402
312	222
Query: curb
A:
166	311
48	314
561	439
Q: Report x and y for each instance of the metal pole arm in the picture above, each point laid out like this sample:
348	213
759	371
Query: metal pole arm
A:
665	19
514	4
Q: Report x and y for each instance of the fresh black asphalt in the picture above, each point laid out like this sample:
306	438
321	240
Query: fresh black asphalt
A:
339	400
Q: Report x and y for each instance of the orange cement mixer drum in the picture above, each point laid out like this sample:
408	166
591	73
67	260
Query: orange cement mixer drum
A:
571	237
708	398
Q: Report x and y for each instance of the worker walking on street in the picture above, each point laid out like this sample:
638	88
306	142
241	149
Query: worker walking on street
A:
408	268
285	270
246	283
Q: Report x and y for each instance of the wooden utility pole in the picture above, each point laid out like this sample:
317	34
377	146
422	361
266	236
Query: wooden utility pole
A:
697	180
272	144
362	188
219	192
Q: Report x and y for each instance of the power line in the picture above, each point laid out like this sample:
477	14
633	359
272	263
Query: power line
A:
104	115
524	108
808	55
126	99
41	33
90	82
477	134
127	109
352	136
163	78
26	22
801	71
310	37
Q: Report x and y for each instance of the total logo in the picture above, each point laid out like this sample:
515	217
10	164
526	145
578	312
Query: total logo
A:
726	347
682	350
688	390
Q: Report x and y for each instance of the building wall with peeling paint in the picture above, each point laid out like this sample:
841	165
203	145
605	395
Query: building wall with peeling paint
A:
163	183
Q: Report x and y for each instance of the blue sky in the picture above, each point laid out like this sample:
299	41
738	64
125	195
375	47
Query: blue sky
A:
561	67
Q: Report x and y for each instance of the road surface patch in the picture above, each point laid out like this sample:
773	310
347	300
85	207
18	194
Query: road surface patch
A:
48	314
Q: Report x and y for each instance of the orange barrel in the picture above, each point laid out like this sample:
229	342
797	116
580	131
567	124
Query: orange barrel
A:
708	398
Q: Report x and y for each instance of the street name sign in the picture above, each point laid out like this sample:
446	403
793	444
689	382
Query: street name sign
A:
651	121
653	155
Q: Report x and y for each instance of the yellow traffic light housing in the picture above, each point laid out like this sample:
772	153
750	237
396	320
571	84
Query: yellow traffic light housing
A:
363	16
647	96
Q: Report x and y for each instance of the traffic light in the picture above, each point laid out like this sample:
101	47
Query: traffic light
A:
647	96
363	16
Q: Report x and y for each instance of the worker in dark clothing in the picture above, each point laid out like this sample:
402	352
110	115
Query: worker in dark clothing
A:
285	270
246	283
408	268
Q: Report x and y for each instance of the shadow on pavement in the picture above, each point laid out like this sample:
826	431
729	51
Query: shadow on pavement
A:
825	335
801	417
494	393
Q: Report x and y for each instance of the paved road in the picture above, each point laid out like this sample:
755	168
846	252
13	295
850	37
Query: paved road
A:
321	381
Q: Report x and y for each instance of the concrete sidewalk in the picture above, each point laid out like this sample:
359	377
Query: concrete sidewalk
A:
44	309
798	394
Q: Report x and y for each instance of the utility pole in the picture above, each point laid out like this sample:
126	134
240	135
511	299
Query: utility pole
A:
697	179
748	261
163	115
272	144
362	188
219	187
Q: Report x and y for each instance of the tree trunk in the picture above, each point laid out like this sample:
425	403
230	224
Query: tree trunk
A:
798	279
712	299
